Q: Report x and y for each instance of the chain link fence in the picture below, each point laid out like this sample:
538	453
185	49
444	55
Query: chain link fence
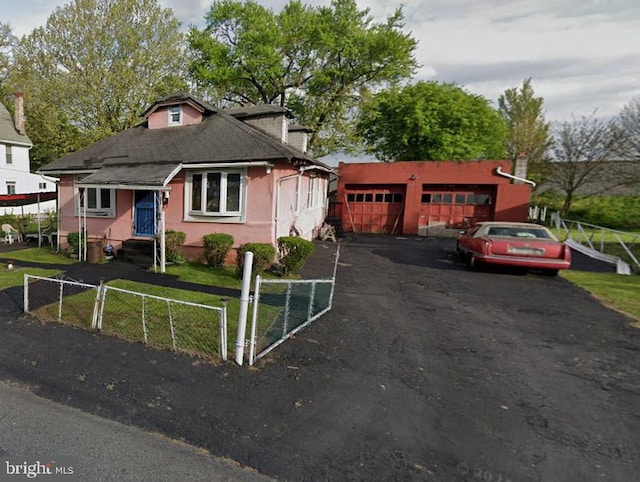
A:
298	303
162	322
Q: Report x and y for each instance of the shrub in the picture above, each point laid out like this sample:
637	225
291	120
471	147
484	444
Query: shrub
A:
73	239
216	248
263	254
293	253
174	240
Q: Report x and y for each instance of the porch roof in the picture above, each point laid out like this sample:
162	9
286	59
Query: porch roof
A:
150	175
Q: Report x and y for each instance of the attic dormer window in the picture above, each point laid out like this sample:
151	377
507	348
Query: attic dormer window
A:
175	115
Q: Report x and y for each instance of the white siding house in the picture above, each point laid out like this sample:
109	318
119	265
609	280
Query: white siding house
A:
15	172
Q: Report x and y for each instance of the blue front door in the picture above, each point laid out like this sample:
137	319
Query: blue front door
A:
144	216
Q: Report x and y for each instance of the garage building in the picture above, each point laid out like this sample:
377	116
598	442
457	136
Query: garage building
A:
421	197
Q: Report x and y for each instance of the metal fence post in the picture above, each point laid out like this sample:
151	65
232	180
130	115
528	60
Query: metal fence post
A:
333	278
144	318
97	305
173	333
286	310
254	321
223	330
311	300
60	303
26	293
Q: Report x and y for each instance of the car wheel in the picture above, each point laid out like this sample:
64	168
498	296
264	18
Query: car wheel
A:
471	261
550	272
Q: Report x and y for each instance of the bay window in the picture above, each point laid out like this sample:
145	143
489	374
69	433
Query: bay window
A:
215	193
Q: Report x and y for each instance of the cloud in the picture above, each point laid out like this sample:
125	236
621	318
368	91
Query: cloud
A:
582	54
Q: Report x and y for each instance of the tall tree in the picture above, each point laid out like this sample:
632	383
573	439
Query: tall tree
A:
628	123
583	150
527	130
93	68
7	44
319	61
431	121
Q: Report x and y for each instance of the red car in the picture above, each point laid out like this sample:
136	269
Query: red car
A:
514	244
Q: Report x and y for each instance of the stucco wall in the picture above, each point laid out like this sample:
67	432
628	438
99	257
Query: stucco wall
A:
160	118
510	201
260	214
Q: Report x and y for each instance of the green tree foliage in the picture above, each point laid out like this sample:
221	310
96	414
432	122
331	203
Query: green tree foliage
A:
7	43
93	68
527	130
318	61
431	121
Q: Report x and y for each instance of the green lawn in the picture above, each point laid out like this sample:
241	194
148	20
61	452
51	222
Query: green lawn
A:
204	275
38	255
15	277
618	291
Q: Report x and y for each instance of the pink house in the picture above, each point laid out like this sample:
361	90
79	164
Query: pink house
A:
194	168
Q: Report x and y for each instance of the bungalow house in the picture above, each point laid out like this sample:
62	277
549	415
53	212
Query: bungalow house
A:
194	168
21	191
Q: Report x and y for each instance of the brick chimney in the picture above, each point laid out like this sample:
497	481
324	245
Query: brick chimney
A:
18	117
520	167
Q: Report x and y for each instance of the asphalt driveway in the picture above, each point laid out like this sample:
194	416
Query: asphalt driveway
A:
422	371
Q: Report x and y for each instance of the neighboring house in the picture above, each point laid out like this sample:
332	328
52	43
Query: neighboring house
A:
19	188
425	197
194	168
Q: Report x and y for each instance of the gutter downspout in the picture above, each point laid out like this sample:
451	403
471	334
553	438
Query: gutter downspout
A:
500	172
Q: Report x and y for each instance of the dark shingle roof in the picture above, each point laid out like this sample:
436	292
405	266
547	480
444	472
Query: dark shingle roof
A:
219	138
8	132
299	128
260	110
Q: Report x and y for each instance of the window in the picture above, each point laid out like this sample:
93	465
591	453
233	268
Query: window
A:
215	193
11	187
175	115
42	185
426	197
312	194
9	155
100	202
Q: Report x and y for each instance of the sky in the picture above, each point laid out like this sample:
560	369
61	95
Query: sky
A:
583	55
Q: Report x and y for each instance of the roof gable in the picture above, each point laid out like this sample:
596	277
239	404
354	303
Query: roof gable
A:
179	98
8	132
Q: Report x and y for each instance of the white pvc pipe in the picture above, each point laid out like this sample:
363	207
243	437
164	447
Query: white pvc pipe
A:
511	176
244	307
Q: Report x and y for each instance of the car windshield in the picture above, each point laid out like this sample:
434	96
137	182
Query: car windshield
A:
519	232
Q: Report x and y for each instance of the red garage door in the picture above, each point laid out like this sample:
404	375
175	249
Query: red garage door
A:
456	205
373	209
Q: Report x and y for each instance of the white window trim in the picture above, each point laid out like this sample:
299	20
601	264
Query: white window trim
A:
170	114
93	212
12	184
8	154
223	216
316	193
